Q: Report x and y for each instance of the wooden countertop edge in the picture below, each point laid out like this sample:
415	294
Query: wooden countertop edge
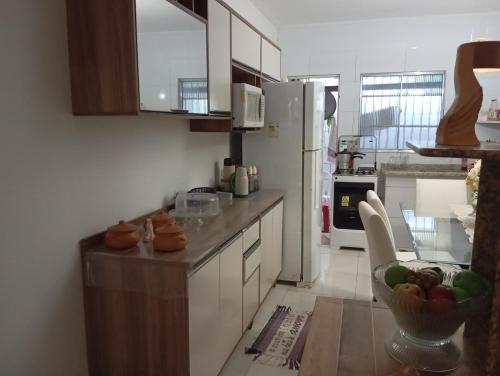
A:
94	243
484	150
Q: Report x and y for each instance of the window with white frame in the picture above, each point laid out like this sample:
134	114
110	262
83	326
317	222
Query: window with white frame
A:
401	107
193	95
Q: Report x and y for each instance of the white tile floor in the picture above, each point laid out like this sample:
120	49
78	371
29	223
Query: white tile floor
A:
344	274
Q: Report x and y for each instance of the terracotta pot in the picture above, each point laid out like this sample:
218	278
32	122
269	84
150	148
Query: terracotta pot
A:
162	218
169	238
121	236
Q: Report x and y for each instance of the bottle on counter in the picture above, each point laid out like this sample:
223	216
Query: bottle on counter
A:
241	182
251	179
229	169
227	175
256	179
492	112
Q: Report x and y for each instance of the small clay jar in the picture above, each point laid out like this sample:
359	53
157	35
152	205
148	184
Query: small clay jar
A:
162	218
121	236
169	238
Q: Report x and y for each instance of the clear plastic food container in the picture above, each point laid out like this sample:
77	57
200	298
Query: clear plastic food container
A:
196	205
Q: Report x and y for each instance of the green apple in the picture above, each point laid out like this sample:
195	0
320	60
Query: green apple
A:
460	294
469	281
396	274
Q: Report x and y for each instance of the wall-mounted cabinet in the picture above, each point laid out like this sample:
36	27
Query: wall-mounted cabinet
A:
129	56
245	43
219	53
271	60
170	56
172	59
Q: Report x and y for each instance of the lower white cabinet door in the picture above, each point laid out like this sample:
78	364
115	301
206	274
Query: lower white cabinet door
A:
250	298
277	253
204	320
266	263
231	297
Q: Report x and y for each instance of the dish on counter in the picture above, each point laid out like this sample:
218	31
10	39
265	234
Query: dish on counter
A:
196	205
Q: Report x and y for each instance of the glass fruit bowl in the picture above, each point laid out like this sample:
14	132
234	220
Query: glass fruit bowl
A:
427	325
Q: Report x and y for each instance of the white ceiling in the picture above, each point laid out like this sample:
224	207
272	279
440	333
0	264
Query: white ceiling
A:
293	12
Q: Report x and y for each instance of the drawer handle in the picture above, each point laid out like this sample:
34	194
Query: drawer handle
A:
251	250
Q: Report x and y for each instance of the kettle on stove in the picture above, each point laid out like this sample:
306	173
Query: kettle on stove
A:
346	159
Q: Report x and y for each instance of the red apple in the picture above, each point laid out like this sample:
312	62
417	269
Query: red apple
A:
440	292
441	299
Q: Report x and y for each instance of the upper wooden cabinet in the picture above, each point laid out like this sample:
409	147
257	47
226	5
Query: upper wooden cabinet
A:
245	43
103	57
219	57
169	56
271	60
128	56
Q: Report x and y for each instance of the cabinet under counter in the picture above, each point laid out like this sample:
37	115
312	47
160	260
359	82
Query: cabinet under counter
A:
140	304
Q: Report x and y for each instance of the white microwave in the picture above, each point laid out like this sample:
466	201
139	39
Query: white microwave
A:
248	106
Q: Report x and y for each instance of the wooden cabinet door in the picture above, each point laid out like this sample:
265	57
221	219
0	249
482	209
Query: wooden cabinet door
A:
277	253
271	60
219	56
204	320
266	268
231	298
245	44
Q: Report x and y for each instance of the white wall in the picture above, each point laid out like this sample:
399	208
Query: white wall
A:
64	178
255	17
389	45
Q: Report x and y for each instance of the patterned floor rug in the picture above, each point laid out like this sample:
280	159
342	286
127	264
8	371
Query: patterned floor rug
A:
281	342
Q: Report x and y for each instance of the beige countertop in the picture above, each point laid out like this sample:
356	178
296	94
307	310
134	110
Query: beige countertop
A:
423	170
204	237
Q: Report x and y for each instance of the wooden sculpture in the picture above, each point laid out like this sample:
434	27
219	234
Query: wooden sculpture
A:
457	127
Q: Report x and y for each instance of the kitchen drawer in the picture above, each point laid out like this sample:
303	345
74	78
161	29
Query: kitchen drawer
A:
251	261
250	298
250	235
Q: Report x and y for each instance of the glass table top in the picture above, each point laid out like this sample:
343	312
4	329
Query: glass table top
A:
438	238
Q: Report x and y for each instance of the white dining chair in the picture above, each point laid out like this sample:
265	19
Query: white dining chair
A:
380	245
436	197
375	202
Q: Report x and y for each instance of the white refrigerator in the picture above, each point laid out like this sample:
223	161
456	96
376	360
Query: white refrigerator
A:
288	153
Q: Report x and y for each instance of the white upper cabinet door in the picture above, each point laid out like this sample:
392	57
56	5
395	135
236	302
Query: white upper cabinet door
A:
245	44
219	56
271	60
231	298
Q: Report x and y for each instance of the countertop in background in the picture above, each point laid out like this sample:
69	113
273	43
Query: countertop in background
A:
423	170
